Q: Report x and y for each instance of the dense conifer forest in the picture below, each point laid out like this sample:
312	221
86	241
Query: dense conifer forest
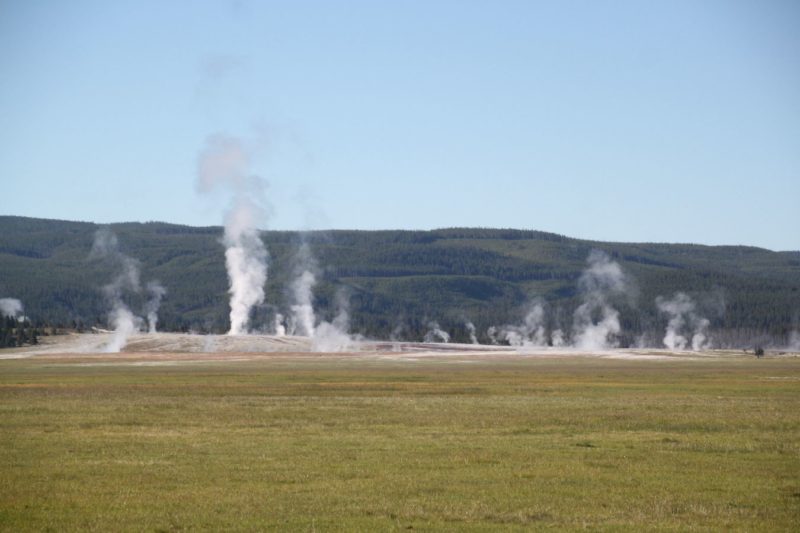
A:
398	282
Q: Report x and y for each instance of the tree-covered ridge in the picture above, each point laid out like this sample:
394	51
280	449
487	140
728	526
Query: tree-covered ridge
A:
399	281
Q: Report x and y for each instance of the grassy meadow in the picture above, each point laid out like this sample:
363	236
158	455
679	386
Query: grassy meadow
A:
317	444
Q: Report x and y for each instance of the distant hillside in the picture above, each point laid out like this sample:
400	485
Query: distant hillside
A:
408	278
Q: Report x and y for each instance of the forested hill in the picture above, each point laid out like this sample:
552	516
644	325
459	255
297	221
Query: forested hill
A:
401	278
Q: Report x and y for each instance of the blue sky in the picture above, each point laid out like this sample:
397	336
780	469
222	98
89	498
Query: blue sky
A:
666	121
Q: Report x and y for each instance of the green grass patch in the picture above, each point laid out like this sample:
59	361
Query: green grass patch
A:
333	444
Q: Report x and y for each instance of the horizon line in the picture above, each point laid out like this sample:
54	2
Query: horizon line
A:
444	228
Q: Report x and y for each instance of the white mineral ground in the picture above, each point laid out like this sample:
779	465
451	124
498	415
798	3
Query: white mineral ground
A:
175	348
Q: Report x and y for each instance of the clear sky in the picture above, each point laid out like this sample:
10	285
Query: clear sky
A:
668	121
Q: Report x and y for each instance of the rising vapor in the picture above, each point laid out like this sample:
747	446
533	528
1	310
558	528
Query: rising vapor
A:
126	280
125	324
473	339
397	332
491	332
10	307
595	322
531	333
303	318
224	164
278	327
334	336
156	292
685	327
794	341
435	332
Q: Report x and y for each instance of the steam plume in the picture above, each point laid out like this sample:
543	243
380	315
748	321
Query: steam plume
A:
333	336
557	338
224	163
794	341
277	325
685	326
124	322
303	318
326	336
435	332
492	334
10	307
471	330
156	292
531	333
397	332
596	322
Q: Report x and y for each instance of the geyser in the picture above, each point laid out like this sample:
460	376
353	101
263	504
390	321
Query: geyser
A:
303	318
10	307
224	163
473	338
685	327
325	336
531	333
435	332
333	336
596	322
156	292
124	322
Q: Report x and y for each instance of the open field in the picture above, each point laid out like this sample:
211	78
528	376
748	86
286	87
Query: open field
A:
470	441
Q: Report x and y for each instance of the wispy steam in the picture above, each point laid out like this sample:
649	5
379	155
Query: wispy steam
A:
700	340
156	292
491	332
124	322
106	246
333	336
685	327
10	307
302	287
224	163
531	333
471	330
557	338
794	341
596	322
435	332
278	327
326	336
397	332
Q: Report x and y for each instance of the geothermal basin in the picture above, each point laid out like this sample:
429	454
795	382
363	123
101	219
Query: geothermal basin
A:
166	348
